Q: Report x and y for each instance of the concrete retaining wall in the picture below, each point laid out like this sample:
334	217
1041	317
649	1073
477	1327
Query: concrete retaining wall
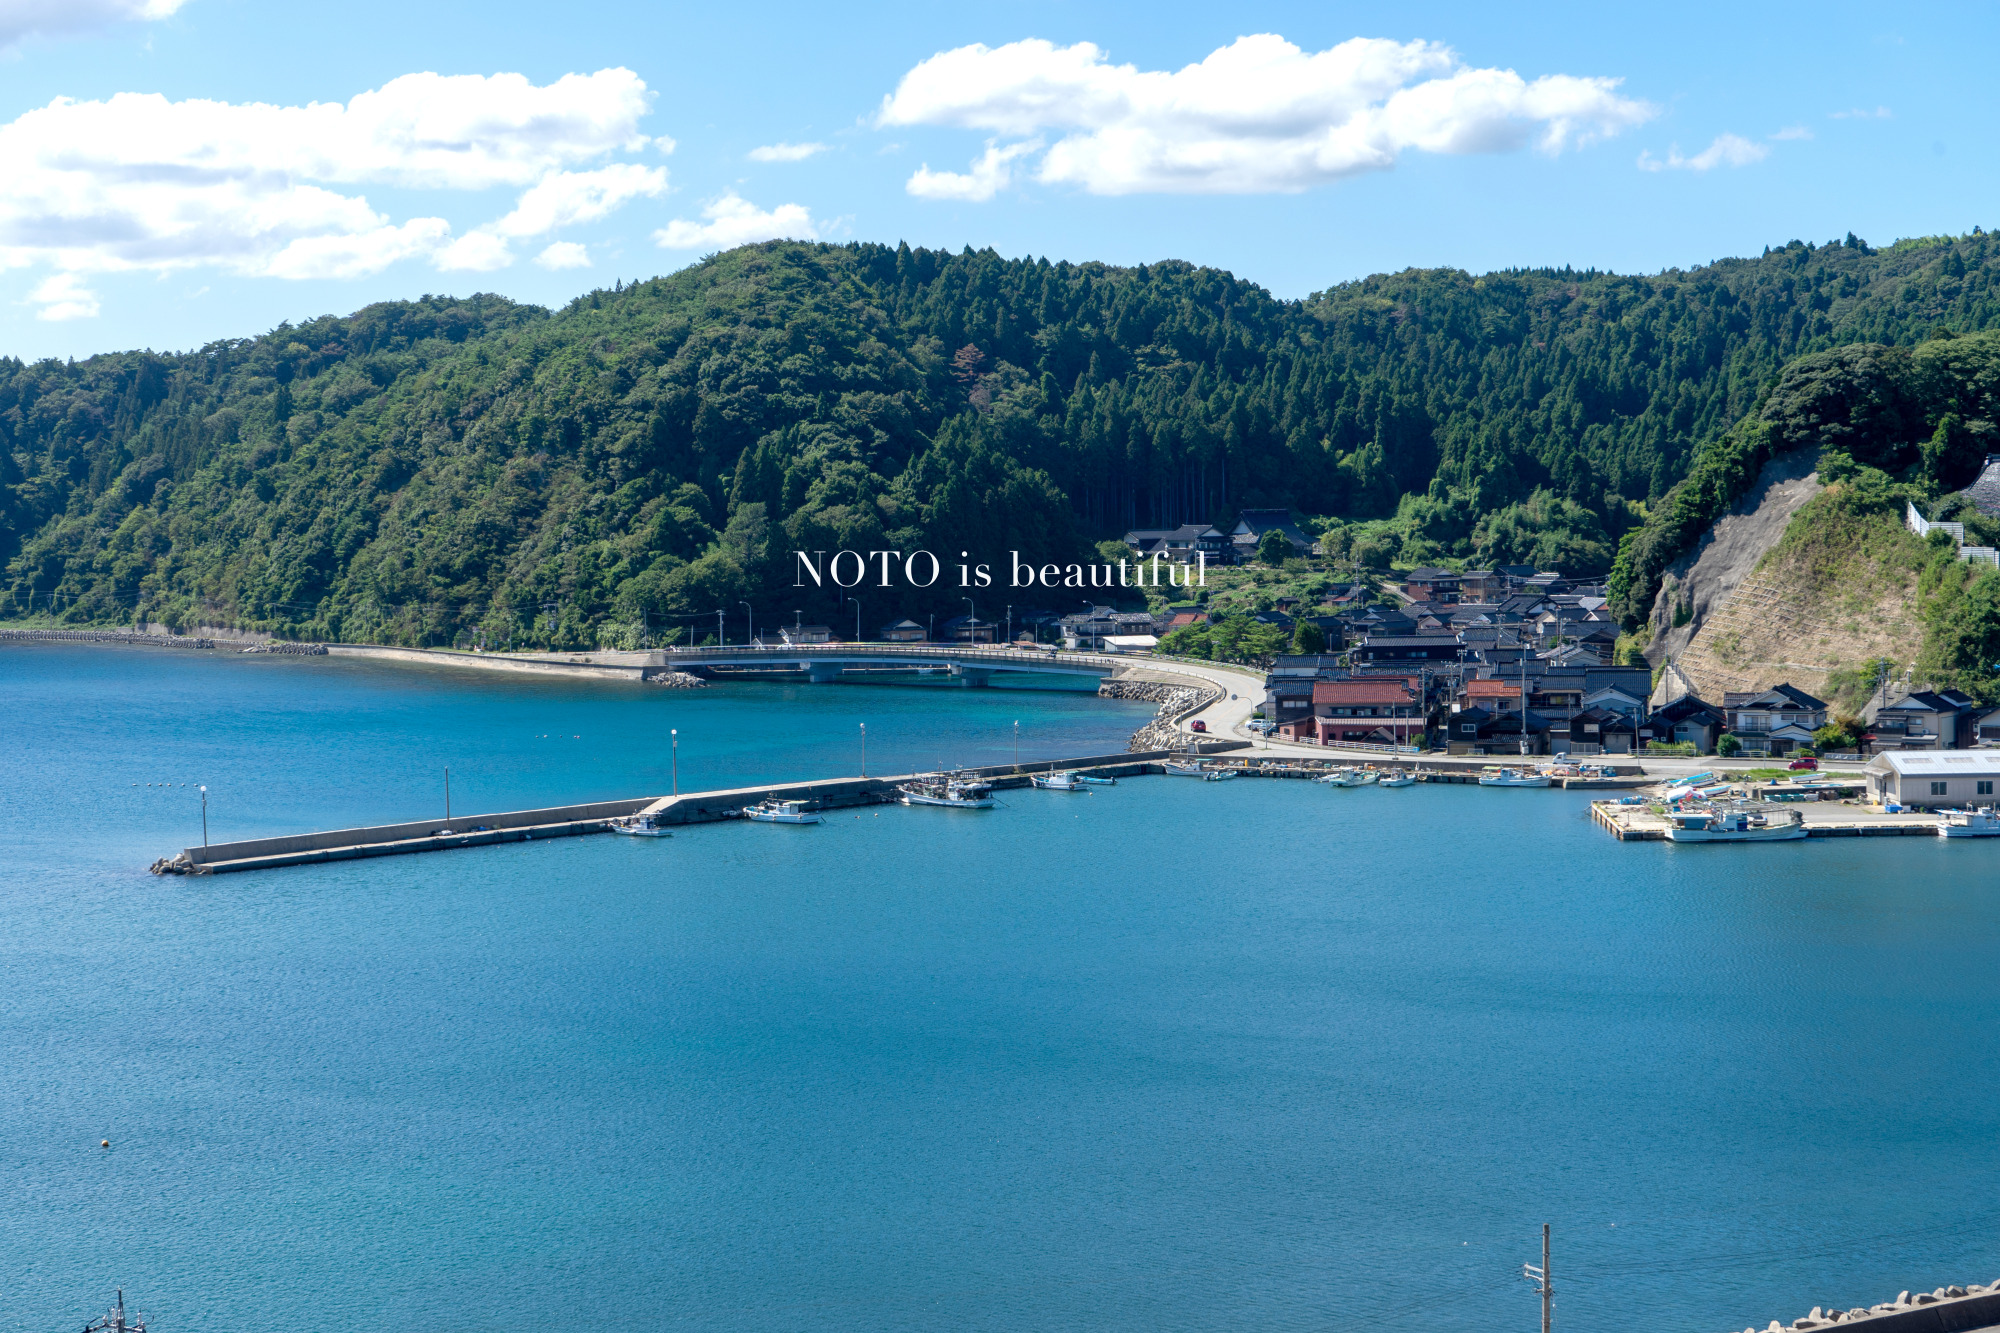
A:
416	836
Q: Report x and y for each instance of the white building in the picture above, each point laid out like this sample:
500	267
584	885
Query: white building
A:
1934	777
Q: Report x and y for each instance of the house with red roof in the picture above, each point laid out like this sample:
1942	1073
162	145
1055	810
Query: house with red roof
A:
1372	710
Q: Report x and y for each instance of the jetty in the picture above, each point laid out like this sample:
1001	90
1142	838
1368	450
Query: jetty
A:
568	821
1824	819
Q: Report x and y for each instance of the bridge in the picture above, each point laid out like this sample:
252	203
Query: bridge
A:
822	663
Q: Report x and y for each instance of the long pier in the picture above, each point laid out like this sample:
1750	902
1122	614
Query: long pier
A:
566	821
1636	823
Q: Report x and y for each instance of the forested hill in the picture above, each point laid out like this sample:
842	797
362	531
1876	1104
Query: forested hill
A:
418	469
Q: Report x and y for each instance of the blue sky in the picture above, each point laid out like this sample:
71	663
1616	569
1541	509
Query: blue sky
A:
179	191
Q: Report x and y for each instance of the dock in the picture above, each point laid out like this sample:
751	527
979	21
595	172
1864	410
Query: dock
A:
1640	823
568	821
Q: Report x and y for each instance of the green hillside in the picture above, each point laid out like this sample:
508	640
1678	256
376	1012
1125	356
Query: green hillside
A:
656	450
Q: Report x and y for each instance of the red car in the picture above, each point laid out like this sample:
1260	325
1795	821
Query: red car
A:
1807	765
1197	725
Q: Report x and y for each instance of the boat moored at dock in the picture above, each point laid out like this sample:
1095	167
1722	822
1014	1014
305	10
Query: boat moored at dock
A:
953	791
1983	822
1189	769
780	812
1056	781
641	825
1513	777
1737	821
1092	780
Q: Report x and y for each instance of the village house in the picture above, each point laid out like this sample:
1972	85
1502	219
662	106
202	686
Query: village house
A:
1602	731
1985	729
1432	585
901	631
1919	720
806	633
1181	545
1934	778
1252	524
1479	585
1371	710
1774	721
964	629
1416	647
1687	720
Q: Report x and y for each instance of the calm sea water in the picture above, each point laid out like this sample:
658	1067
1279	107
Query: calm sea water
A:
1172	1055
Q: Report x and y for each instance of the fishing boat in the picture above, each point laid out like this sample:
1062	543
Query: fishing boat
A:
641	825
1056	781
1094	781
1348	777
113	1321
945	789
1194	769
1743	821
1969	823
1398	780
1513	777
780	812
1220	775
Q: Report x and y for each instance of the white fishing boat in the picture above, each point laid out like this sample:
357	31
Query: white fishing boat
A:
780	812
1220	775
946	790
1347	777
1194	769
1969	823
1513	777
641	825
1398	780
1746	821
1094	781
1056	781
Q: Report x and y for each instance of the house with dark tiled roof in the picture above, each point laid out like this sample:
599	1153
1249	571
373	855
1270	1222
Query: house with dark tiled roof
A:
1181	545
1602	731
1985	491
1252	524
1425	584
1776	721
1687	720
1919	720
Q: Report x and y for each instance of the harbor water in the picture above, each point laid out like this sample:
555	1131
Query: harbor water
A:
1167	1055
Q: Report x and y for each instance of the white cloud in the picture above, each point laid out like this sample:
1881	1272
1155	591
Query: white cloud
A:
1728	150
20	19
989	174
732	221
1255	116
137	182
786	152
474	252
1792	132
565	198
1858	113
63	296
564	254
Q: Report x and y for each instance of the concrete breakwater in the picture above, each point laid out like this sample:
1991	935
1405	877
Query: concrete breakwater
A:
1952	1309
1176	702
435	835
103	636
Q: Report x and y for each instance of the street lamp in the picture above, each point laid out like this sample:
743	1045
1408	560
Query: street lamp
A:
204	816
971	622
1010	624
749	624
676	734
864	749
857	620
1017	746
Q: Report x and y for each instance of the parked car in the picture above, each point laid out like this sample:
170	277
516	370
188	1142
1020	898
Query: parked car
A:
1197	725
1808	764
1263	728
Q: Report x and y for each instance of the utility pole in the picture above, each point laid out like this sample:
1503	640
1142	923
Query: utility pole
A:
204	816
676	734
749	625
1540	1276
864	749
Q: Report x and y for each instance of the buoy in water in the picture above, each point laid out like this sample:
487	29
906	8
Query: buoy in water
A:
105	1144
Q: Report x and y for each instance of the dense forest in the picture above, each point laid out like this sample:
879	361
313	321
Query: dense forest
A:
420	471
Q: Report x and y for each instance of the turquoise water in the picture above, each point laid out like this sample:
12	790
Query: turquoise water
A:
1172	1055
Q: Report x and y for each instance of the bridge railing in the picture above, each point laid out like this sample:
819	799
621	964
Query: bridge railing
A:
933	652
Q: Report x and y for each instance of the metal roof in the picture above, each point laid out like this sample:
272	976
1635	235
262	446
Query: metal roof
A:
1937	763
